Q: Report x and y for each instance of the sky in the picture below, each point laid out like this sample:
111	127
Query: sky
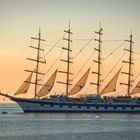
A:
20	19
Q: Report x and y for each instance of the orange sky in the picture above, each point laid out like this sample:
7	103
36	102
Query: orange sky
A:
21	19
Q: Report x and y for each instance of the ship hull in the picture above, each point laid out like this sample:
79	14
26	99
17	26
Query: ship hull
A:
38	106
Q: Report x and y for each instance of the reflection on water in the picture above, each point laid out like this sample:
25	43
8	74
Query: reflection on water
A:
16	125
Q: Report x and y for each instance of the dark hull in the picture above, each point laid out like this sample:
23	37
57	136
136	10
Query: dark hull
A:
41	106
75	111
47	105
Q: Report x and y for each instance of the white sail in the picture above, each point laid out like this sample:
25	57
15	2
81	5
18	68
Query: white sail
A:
80	84
47	86
111	86
136	89
25	86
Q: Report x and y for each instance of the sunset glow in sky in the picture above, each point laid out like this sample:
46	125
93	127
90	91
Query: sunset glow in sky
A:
20	20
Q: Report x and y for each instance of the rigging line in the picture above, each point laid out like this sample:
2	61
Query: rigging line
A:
113	40
57	31
84	47
82	31
54	45
137	76
134	66
109	33
134	36
136	59
83	65
103	71
114	50
136	53
55	62
115	66
133	77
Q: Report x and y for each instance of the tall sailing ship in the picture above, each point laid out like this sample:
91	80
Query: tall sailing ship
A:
68	103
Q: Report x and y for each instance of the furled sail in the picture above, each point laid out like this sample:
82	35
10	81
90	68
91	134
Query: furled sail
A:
136	89
80	84
25	86
111	86
47	86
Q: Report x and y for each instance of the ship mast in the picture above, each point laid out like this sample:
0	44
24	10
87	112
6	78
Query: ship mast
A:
38	61
130	63
98	73
68	60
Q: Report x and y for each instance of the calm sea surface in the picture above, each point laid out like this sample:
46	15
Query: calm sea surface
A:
15	125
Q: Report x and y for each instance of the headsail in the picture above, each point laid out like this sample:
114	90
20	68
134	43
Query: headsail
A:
47	86
80	84
136	89
25	86
111	86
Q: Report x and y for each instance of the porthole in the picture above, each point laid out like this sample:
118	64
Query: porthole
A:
42	104
106	107
123	107
61	105
79	106
70	106
88	107
132	107
115	107
97	107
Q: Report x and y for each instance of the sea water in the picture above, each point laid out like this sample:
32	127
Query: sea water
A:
16	125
